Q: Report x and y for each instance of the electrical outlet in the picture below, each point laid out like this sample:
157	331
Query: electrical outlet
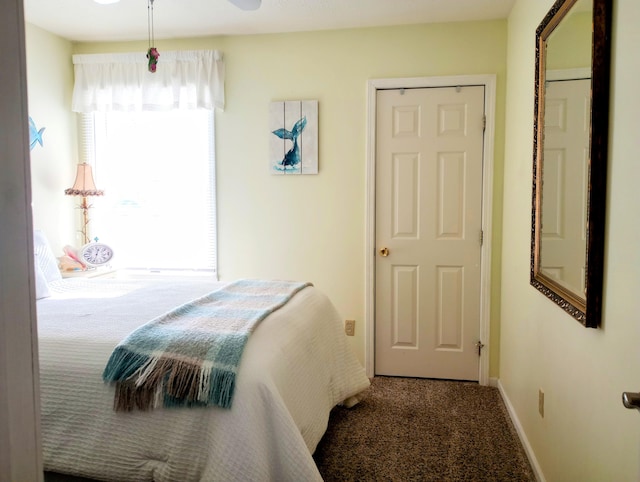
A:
350	327
541	402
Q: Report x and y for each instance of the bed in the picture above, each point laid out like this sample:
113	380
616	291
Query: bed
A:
296	367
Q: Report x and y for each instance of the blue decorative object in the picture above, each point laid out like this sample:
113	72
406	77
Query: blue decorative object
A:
292	157
35	135
198	344
293	148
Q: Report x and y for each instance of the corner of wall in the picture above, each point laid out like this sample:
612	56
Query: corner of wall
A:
521	433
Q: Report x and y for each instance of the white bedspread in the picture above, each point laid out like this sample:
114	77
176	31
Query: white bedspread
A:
296	367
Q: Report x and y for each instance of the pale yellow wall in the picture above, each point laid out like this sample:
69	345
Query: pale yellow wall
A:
570	43
313	227
50	82
586	433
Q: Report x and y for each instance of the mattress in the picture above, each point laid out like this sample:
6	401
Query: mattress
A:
296	367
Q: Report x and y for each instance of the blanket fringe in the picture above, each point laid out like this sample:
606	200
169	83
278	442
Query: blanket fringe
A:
123	364
128	397
141	380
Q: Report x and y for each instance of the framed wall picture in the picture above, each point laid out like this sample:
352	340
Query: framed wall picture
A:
293	138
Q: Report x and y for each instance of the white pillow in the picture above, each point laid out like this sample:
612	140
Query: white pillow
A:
44	257
42	287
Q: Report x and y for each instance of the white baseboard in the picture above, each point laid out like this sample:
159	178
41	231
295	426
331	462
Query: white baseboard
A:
523	437
493	382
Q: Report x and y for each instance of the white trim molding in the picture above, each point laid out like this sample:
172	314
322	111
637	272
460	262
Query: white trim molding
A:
568	74
537	470
489	83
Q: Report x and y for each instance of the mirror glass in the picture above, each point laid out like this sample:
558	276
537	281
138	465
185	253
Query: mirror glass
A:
572	71
567	123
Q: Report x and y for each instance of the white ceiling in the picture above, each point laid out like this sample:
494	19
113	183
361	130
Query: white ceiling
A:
85	20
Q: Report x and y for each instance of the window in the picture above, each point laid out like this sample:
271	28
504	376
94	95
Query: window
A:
157	169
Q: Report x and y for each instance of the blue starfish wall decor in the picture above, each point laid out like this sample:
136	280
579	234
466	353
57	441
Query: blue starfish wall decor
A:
35	135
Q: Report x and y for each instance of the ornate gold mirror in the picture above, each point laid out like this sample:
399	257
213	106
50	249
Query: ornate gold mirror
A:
571	120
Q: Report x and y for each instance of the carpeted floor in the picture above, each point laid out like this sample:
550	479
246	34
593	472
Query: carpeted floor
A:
408	429
423	430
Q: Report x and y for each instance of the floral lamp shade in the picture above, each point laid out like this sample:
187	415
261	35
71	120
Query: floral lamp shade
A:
84	186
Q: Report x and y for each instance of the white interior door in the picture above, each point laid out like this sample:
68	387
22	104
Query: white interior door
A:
429	146
565	177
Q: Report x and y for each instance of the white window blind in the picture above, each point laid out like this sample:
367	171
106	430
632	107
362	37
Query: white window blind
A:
157	169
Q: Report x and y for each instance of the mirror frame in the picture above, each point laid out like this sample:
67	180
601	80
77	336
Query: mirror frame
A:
587	310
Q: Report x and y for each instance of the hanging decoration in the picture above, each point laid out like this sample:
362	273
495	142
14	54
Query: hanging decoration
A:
152	53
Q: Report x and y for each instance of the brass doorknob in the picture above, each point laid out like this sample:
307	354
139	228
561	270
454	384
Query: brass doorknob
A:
384	252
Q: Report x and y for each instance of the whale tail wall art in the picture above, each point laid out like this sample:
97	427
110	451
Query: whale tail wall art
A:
293	143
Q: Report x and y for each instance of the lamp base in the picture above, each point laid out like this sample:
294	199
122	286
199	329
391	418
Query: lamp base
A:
85	220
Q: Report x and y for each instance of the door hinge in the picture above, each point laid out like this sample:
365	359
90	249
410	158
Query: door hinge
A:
480	346
481	237
484	123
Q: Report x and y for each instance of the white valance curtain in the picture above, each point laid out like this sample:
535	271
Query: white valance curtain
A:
186	79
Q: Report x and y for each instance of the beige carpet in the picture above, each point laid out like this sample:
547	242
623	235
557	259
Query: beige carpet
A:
423	430
410	429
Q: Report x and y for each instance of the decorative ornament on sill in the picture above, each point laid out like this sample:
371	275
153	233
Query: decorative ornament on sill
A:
152	53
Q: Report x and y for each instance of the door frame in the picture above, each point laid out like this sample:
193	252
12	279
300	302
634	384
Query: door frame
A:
20	440
373	85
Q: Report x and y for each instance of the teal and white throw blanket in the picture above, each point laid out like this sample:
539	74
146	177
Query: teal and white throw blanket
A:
191	355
